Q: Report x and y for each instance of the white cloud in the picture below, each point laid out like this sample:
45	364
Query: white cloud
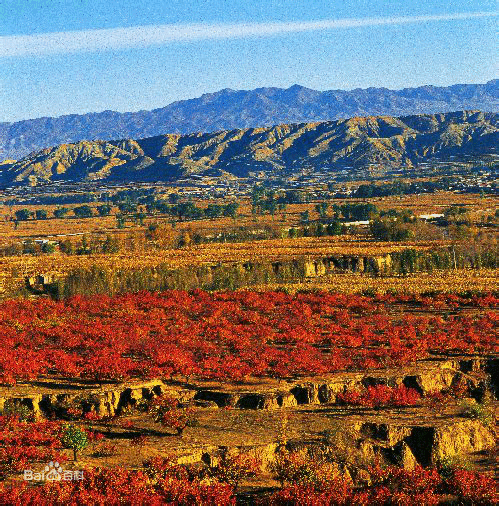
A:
144	36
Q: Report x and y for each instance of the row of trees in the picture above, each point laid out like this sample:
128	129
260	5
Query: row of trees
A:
390	230
352	212
225	276
189	211
183	211
366	191
84	211
269	201
264	201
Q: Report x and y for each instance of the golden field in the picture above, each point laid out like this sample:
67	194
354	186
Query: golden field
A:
446	281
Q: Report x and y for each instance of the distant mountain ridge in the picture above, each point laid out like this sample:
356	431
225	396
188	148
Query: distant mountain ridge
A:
355	142
228	109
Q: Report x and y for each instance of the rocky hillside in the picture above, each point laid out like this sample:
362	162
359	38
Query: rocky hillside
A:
354	142
229	109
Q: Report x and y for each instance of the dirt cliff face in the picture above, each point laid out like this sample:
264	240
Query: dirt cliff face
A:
262	418
356	142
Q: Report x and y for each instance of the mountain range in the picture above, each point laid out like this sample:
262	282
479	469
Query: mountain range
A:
287	148
229	109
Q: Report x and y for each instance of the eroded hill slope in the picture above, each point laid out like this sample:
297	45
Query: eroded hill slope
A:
355	142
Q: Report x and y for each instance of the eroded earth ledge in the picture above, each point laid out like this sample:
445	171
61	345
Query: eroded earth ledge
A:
261	416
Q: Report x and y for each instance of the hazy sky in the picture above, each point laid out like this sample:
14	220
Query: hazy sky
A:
73	56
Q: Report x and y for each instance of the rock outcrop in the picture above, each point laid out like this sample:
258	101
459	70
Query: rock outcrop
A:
293	414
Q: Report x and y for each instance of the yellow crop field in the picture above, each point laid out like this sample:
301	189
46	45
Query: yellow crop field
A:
446	281
17	268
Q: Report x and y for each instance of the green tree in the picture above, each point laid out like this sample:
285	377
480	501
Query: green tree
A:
185	210
75	438
120	221
271	205
231	210
173	198
384	230
41	214
380	230
127	207
30	248
213	211
66	247
104	210
322	209
357	212
257	193
23	214
83	211
453	213
61	212
294	197
319	230
48	247
139	218
305	217
334	228
110	245
84	248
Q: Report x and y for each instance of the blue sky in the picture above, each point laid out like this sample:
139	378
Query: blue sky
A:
126	70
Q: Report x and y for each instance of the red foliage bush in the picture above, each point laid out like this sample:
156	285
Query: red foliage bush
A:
22	443
229	335
380	395
117	487
171	413
233	469
306	495
474	488
392	486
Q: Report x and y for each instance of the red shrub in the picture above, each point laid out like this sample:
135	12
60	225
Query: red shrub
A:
380	395
473	487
